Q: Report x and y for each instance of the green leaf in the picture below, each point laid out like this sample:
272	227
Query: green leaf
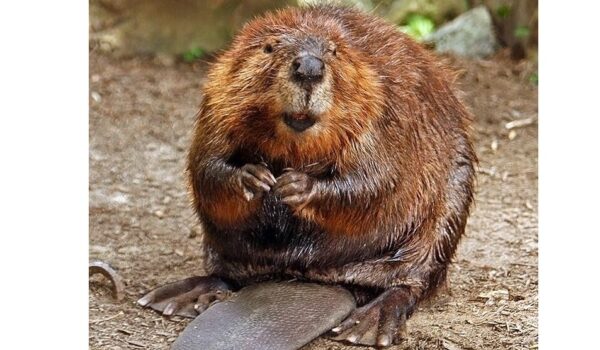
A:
193	54
418	26
503	11
522	32
534	79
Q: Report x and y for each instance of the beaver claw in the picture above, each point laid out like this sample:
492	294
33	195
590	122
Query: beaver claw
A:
295	188
255	179
382	322
188	297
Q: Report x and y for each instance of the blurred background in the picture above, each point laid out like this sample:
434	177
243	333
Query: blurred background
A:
190	29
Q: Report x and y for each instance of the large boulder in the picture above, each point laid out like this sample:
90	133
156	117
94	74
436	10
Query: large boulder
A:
470	35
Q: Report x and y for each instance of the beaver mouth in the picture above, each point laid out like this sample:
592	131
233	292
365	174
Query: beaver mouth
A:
299	121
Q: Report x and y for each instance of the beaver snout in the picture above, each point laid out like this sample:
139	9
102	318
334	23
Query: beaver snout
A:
307	69
298	121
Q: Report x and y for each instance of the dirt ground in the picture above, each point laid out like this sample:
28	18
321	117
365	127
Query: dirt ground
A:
141	115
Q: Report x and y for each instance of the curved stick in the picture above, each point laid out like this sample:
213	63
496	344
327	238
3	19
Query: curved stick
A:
118	288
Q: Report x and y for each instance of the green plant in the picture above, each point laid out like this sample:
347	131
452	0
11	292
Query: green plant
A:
193	54
503	11
534	79
418	26
522	32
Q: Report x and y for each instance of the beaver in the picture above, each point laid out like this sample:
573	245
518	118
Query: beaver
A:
330	148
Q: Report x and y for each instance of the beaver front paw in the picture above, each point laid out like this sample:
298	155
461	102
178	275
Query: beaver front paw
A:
381	322
294	188
254	180
187	297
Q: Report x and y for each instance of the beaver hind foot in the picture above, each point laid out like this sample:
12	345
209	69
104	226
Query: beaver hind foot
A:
381	322
187	297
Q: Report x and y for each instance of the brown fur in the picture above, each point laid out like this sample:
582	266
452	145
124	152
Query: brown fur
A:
389	161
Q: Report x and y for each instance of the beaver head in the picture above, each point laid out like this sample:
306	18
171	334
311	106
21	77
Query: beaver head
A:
293	86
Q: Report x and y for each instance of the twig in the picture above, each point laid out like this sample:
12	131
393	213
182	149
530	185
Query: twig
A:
519	123
107	318
487	171
139	345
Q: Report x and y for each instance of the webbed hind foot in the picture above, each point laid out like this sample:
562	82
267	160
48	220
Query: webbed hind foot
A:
188	297
382	322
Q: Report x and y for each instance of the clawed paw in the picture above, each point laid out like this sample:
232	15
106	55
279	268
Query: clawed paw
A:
188	297
294	188
382	322
254	180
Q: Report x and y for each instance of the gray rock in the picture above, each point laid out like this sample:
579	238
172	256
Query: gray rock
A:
470	34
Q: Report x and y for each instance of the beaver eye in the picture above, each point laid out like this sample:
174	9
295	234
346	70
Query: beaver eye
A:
268	48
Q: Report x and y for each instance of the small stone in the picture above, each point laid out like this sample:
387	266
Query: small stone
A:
195	231
512	134
120	198
494	145
95	78
515	114
96	97
166	251
528	205
159	213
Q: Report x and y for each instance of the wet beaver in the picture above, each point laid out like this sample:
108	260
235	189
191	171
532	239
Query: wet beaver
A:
331	148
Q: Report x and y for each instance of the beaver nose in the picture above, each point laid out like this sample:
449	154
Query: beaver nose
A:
307	69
